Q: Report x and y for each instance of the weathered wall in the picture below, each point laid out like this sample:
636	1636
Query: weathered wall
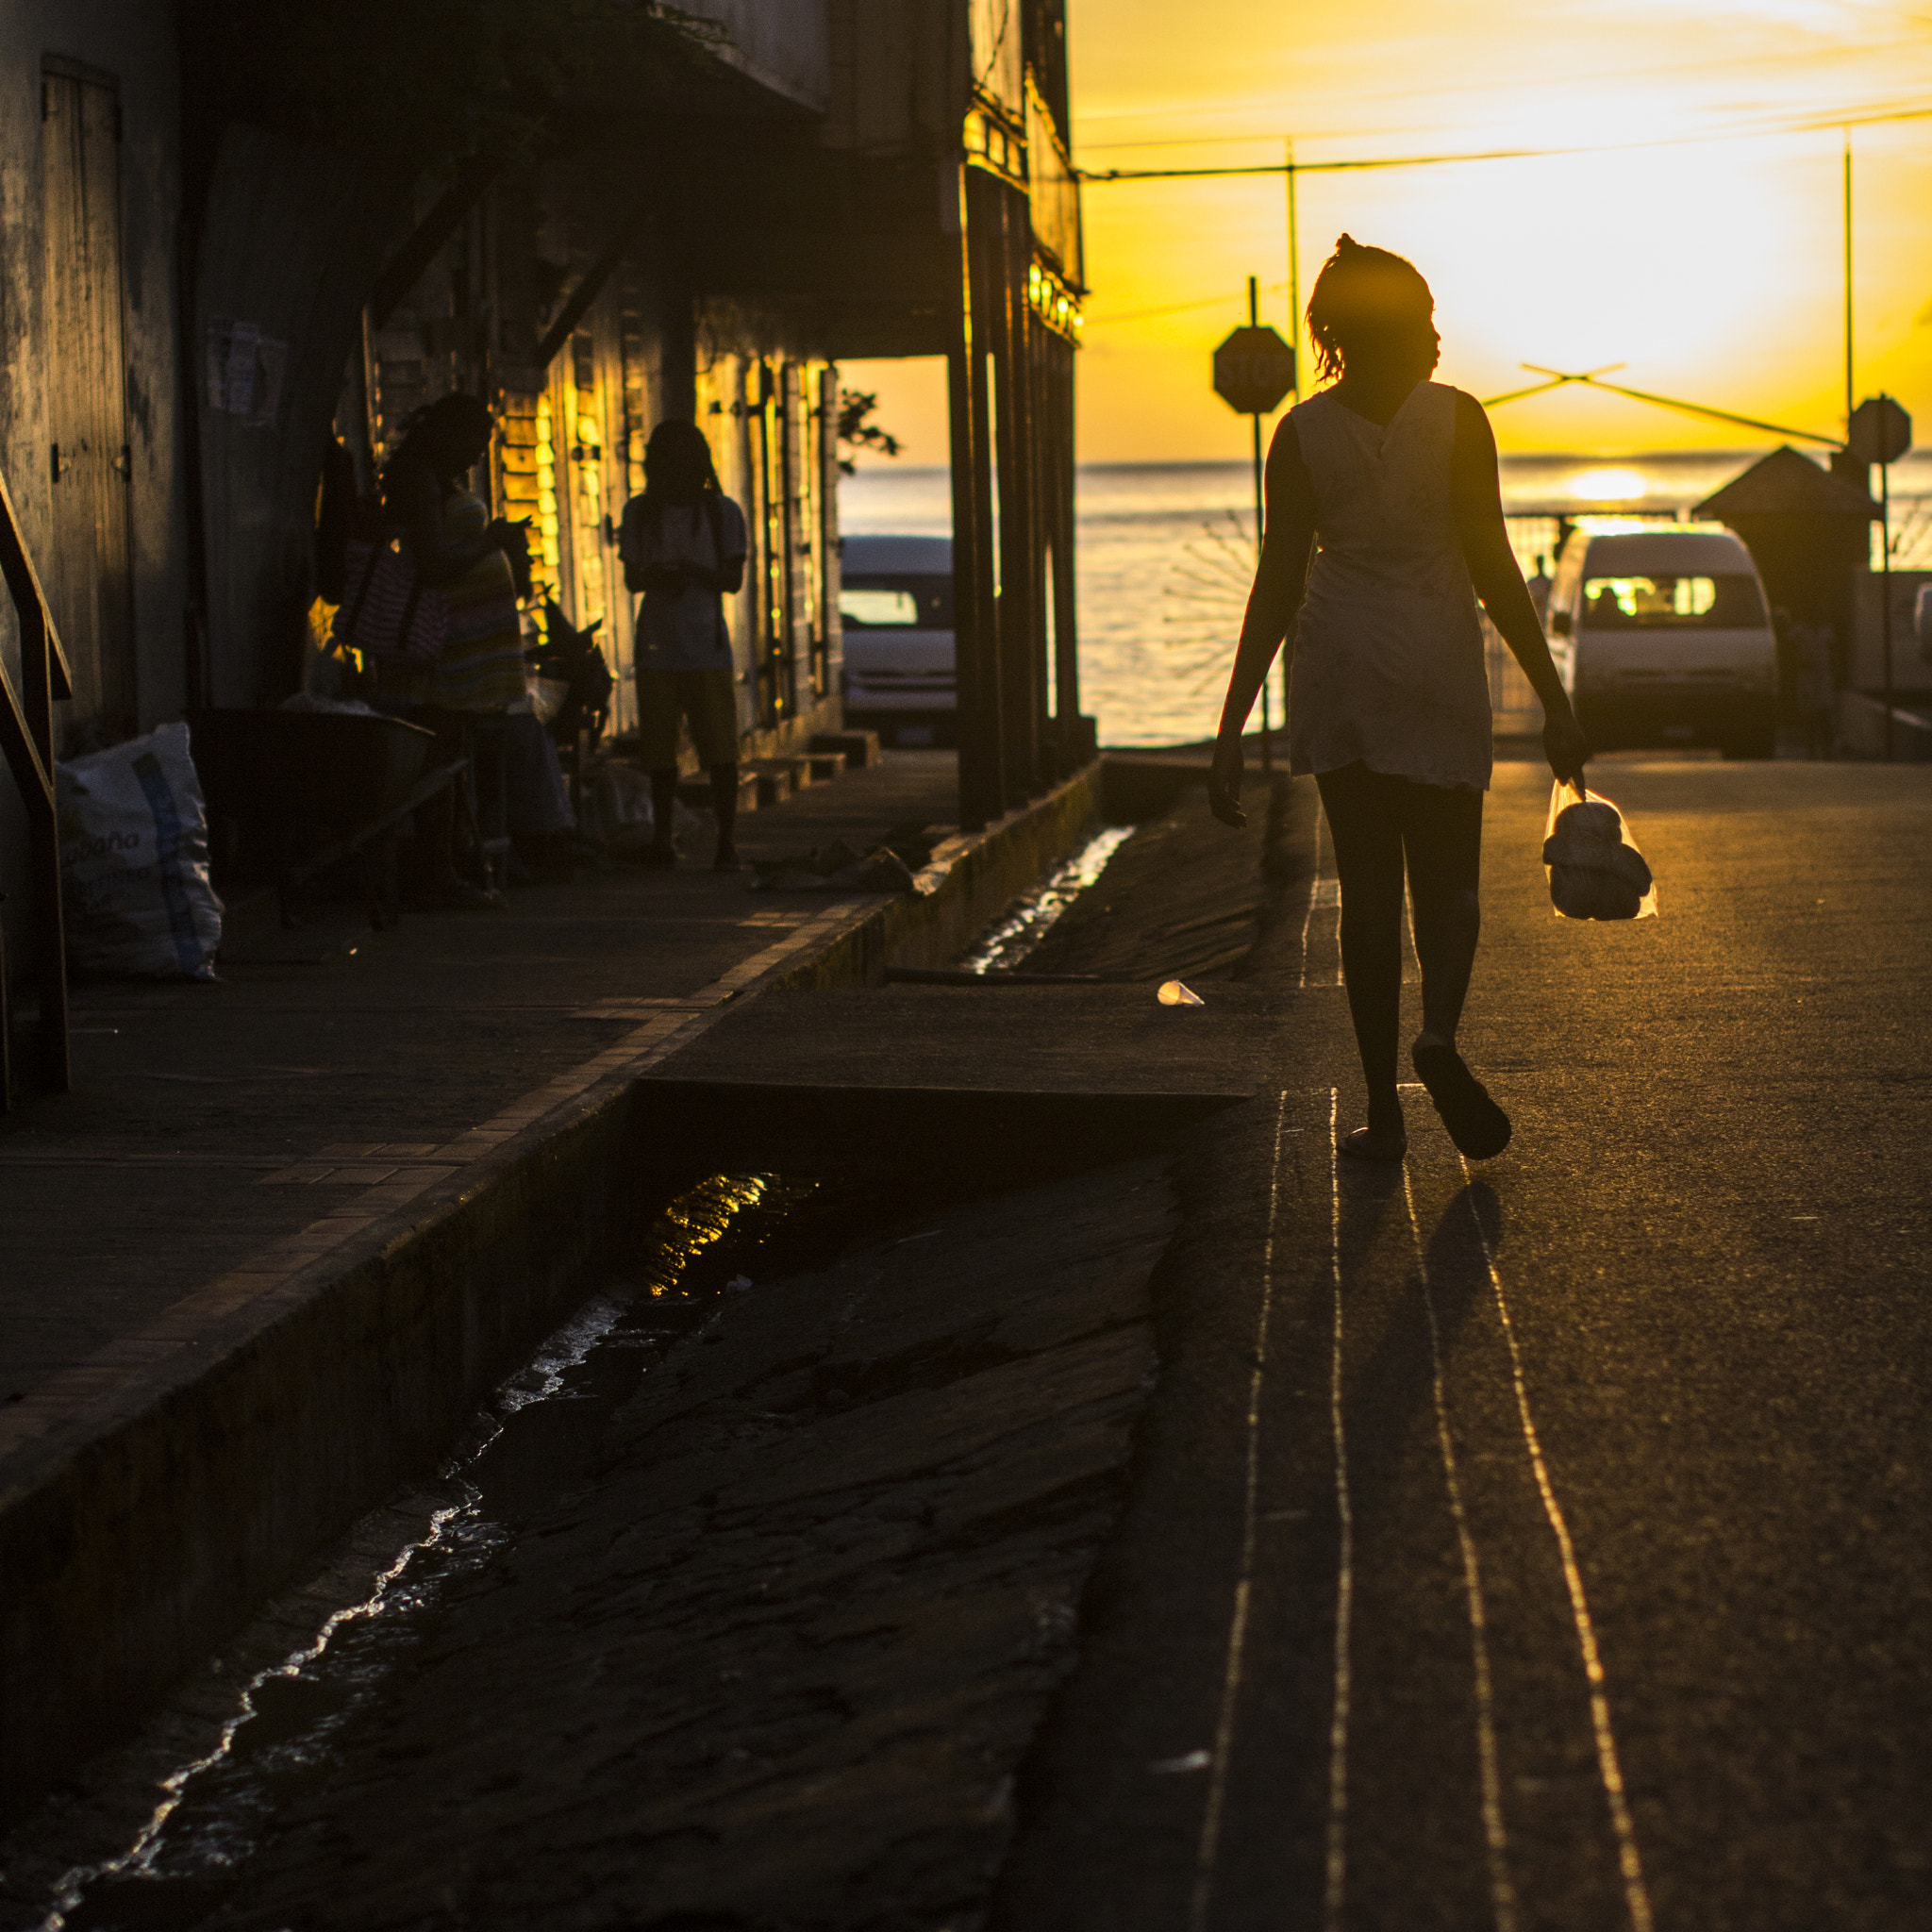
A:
762	400
133	42
901	73
293	235
782	45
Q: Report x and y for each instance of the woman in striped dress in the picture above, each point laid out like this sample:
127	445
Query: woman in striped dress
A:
458	549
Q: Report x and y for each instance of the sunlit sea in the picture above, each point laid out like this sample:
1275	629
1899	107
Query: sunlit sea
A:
1166	551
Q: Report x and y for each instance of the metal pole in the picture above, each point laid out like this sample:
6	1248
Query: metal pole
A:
1255	427
1294	337
1294	274
1885	582
1848	278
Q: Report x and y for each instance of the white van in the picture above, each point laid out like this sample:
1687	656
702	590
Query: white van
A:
1663	639
895	601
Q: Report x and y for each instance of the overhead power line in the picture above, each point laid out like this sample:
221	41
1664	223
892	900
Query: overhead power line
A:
1594	378
1811	125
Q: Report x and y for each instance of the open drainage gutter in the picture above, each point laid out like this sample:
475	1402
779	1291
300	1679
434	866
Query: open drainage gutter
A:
210	1457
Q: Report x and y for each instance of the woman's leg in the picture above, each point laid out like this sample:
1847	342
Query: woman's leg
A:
434	870
710	701
1442	834
657	721
663	813
1442	830
725	808
1365	822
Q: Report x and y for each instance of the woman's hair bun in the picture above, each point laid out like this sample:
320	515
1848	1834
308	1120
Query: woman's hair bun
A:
1359	294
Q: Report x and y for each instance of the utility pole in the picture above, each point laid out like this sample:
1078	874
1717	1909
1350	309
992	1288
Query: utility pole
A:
1850	391
1884	587
1253	370
1295	271
1880	432
1294	341
1255	427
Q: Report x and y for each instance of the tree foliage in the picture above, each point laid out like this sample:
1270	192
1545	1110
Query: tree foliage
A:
858	431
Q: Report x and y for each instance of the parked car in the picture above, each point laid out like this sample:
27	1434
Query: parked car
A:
1664	638
897	603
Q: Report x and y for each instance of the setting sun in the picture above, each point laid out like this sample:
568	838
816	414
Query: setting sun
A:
1609	485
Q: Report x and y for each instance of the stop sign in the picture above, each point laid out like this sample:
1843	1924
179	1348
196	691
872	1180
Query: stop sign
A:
1881	432
1253	370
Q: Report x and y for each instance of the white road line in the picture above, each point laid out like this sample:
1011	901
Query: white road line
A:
1636	1896
1314	898
1501	1891
1341	978
1208	1851
1344	1575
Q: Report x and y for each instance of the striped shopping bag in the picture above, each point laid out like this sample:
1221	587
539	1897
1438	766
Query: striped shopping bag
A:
385	611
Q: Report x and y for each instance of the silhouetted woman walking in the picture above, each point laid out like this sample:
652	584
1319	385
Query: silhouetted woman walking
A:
1390	480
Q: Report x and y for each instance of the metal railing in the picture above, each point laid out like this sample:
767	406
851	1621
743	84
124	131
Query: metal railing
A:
26	736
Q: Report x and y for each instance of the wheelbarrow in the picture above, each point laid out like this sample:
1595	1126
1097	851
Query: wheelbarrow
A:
312	790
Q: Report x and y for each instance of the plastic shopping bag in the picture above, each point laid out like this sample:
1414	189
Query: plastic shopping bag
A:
134	861
1595	871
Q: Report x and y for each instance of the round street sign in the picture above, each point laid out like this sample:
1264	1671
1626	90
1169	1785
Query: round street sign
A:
1253	370
1881	432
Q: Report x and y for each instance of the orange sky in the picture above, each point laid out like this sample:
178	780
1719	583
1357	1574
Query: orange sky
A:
1711	269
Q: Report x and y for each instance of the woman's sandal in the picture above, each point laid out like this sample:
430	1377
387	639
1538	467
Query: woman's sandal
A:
1478	1126
1366	1144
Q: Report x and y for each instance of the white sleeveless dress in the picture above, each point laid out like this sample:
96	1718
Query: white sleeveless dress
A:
1389	650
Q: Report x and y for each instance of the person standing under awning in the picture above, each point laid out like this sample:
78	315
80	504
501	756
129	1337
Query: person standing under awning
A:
683	544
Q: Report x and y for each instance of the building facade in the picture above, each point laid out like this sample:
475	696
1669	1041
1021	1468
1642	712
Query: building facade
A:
233	238
91	377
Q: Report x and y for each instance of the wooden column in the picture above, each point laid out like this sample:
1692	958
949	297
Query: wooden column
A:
1047	486
975	615
1059	460
1020	627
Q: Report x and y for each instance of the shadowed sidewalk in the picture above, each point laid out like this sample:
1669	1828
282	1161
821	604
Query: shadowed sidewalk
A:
208	1123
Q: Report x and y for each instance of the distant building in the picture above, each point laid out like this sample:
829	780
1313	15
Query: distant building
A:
1808	531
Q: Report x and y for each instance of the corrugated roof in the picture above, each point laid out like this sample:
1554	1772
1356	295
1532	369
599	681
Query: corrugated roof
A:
1786	483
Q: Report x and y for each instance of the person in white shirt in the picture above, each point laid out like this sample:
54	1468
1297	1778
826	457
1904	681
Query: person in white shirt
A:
683	544
1539	589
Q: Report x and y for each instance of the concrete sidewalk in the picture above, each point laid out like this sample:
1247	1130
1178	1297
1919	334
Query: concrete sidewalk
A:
210	1123
262	1257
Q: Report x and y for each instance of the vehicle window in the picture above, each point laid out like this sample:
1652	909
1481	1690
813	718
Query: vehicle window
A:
1731	601
897	603
869	609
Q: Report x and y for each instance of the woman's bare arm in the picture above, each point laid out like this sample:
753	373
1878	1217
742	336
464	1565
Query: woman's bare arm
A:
1273	604
1492	569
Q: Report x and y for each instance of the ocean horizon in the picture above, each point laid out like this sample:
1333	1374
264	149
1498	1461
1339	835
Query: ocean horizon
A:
1165	552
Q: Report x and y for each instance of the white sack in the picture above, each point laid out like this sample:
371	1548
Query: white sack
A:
134	869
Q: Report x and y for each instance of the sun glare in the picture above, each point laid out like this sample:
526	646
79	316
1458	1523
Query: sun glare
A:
1608	485
1649	259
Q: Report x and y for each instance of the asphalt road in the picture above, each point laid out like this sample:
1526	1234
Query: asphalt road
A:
1546	1545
